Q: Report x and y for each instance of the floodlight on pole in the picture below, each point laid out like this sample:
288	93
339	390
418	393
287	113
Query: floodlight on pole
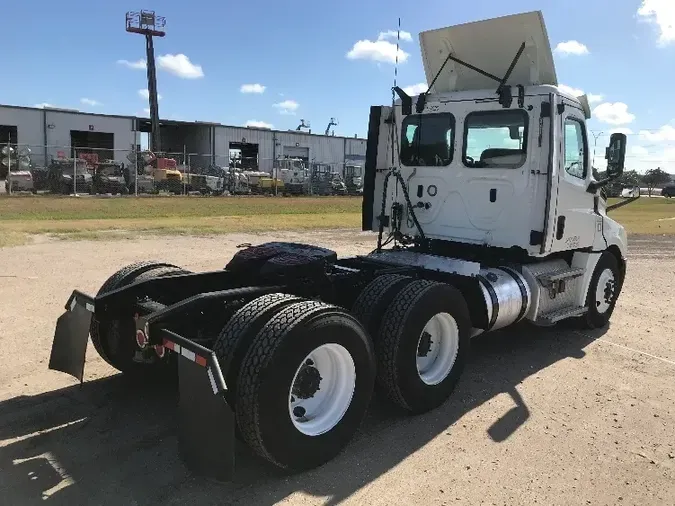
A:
149	24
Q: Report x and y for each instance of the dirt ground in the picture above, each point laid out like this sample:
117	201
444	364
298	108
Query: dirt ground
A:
549	416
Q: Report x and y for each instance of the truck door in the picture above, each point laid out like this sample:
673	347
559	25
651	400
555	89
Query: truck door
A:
575	221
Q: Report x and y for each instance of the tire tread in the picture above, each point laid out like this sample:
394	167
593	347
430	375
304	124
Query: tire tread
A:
260	353
367	307
227	345
122	277
390	334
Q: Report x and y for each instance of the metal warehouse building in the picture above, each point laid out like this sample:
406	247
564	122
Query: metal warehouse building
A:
52	133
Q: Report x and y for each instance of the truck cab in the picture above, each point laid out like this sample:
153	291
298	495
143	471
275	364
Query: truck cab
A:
494	164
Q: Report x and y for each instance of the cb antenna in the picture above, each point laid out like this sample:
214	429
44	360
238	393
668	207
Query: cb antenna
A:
393	93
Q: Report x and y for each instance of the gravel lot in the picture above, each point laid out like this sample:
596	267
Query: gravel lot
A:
540	416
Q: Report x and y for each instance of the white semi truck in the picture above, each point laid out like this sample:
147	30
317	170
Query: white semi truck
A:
487	214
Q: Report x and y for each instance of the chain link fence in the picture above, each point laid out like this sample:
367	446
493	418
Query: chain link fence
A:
68	170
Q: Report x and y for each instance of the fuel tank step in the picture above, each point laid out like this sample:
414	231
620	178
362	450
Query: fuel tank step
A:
565	274
560	314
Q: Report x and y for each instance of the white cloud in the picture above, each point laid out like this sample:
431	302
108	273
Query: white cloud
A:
393	34
258	124
416	89
252	88
380	51
664	134
287	106
179	65
592	98
90	101
146	111
639	151
571	47
44	105
144	93
138	65
621	130
613	113
662	14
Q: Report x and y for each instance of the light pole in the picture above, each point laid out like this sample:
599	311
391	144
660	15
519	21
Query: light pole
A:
148	24
595	142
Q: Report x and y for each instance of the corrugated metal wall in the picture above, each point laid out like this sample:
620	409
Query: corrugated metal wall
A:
321	148
198	137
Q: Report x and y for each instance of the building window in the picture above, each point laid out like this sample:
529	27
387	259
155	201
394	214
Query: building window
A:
495	139
428	140
575	148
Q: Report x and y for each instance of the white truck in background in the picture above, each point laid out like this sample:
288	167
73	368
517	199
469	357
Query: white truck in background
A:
487	215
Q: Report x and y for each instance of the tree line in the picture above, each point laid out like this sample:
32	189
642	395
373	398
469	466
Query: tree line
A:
651	179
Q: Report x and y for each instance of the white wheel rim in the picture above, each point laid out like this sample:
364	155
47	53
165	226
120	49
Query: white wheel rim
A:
604	292
437	348
325	408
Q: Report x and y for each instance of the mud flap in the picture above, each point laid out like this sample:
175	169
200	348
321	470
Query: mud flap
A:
71	336
206	431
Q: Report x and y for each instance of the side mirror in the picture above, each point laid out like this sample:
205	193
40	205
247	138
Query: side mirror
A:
406	101
616	155
514	132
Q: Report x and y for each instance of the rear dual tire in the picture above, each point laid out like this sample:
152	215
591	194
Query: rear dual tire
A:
115	341
421	331
300	376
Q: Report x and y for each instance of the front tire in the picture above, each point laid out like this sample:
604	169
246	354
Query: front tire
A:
305	385
423	345
603	292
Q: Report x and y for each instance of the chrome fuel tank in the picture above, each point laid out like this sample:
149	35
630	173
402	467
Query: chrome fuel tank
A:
507	296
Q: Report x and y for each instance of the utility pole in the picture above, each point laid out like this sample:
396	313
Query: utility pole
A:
595	143
148	24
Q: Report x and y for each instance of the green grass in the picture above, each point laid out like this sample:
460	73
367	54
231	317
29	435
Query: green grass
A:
649	216
97	218
150	208
104	218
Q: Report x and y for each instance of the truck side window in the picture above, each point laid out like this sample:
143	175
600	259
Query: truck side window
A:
427	140
495	139
575	148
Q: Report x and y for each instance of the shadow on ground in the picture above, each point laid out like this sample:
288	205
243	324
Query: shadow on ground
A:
113	442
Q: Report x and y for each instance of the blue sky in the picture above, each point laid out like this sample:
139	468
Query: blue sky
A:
68	54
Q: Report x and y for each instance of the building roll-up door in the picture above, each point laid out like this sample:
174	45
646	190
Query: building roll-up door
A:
296	152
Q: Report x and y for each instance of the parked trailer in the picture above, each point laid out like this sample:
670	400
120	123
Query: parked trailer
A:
287	343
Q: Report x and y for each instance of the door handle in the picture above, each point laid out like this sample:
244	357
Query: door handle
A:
560	228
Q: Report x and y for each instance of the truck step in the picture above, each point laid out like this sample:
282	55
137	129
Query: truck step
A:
548	278
561	314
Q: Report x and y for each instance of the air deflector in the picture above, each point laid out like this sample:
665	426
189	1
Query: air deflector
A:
489	45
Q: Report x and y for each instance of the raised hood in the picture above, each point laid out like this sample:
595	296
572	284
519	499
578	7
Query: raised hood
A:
491	46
